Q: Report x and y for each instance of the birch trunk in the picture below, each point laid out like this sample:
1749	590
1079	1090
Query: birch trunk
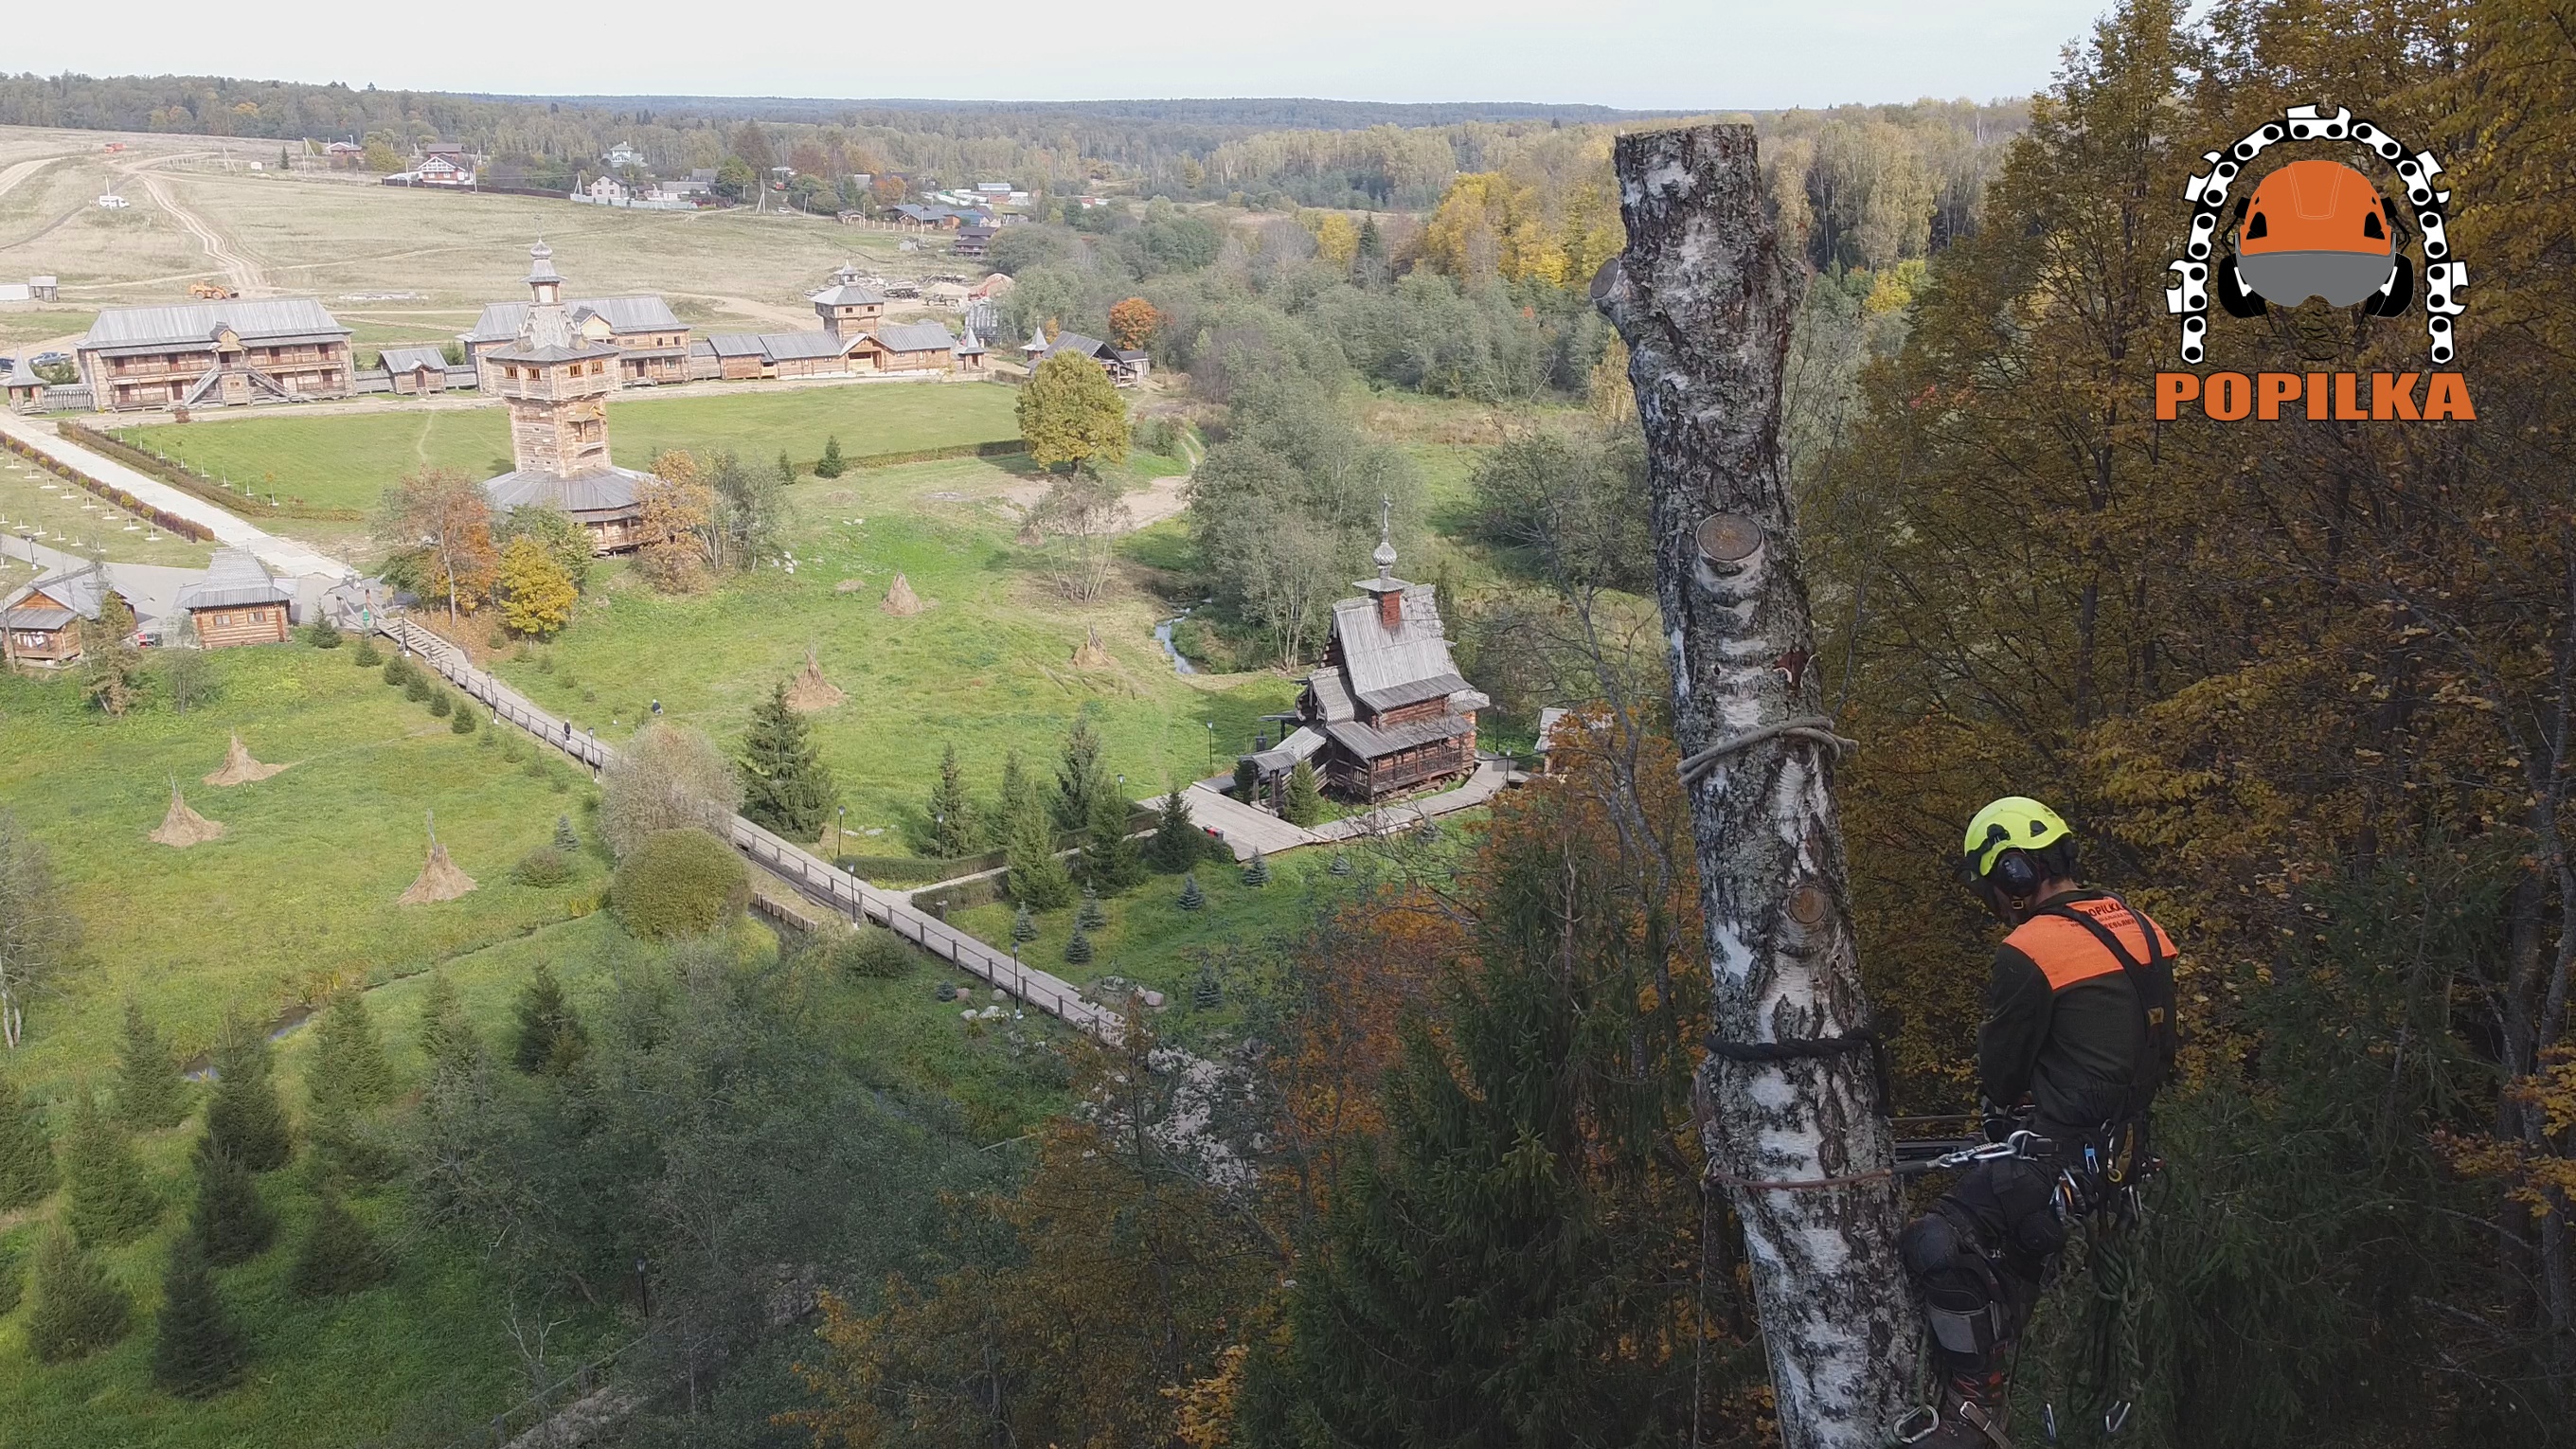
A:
1702	300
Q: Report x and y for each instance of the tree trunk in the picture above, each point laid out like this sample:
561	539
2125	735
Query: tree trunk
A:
1703	303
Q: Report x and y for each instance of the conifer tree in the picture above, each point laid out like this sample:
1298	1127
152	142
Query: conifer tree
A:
1192	898
446	1036
1205	994
1039	881
567	839
1341	863
1304	804
150	1092
336	1254
229	1220
1019	792
111	1200
787	468
1024	927
1178	842
785	785
832	464
349	1072
952	812
1091	917
1110	861
197	1349
1081	777
244	1119
1256	871
27	1171
78	1309
552	1039
1077	947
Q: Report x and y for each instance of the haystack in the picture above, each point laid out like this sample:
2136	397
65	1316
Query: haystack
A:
239	768
900	600
1091	655
183	827
812	691
439	879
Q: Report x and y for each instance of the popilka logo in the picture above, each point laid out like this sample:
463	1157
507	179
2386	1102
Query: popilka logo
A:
2317	228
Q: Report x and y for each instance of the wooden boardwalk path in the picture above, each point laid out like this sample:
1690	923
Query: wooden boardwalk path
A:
815	879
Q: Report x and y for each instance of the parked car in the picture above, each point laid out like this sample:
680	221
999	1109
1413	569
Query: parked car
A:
8	365
49	359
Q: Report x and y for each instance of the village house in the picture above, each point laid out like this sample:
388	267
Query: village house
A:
238	602
453	170
43	624
651	342
623	155
281	349
417	370
973	241
1126	366
1388	711
606	190
848	307
556	383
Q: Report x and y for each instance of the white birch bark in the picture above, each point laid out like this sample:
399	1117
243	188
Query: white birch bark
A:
1703	302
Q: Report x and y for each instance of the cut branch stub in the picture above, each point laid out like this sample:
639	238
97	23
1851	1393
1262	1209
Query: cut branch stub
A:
1703	302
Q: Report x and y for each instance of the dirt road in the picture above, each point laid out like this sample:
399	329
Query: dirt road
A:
238	268
10	178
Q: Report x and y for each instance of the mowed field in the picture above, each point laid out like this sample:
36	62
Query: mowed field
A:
348	460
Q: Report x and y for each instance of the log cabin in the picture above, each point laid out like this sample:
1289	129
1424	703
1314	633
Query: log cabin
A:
44	623
238	602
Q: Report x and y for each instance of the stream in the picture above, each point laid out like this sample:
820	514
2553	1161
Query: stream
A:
1163	636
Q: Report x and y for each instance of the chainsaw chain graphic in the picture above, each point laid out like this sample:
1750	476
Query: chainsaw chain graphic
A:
2445	278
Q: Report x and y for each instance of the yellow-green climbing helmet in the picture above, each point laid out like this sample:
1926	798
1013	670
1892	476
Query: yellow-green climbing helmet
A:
2015	822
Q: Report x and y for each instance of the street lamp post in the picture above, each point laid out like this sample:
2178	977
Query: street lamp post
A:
840	832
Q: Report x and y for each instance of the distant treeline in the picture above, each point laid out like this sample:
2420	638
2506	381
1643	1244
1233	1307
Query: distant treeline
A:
1930	155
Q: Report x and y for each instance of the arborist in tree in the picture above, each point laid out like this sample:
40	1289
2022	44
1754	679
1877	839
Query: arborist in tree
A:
2078	1037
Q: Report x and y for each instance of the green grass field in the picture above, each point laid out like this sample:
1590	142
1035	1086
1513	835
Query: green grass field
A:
302	885
348	460
61	521
987	664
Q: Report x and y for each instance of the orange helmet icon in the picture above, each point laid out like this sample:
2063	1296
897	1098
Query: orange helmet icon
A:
2316	229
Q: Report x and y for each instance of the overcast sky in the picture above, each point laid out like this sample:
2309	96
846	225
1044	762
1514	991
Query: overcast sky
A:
1638	54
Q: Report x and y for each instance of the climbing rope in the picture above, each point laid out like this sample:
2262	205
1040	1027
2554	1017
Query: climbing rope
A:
1812	727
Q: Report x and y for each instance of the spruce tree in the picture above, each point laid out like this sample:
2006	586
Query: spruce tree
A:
1092	916
78	1309
787	468
1256	871
229	1220
551	1037
832	464
786	787
336	1254
952	812
567	839
1304	804
445	1035
1024	927
1081	778
150	1092
1192	898
1246	776
1205	994
244	1118
1018	791
1038	880
1341	863
27	1171
111	1200
1077	947
1110	861
197	1350
1178	842
349	1072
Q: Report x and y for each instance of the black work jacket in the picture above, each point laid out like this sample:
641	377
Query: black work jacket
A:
2067	1025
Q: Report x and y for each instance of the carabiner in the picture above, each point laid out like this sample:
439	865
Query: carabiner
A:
1930	1416
2117	1418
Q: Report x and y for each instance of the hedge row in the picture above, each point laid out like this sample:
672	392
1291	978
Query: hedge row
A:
1003	448
187	528
180	476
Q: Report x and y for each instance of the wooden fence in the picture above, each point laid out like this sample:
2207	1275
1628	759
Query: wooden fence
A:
813	878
